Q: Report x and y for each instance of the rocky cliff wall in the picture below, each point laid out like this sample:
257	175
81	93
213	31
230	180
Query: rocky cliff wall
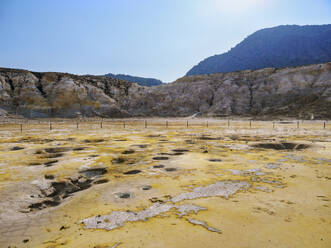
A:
295	92
61	95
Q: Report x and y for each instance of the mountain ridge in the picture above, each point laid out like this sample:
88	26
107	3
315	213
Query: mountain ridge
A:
278	47
134	79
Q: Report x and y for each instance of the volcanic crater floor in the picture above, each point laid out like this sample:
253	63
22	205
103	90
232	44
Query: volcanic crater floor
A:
165	187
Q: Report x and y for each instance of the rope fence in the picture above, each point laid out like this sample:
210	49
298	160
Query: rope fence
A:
102	123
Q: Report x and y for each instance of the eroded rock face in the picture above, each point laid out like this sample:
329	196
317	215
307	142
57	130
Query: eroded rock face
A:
61	95
297	92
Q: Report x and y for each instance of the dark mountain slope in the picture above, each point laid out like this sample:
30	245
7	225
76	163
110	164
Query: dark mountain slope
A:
278	47
139	80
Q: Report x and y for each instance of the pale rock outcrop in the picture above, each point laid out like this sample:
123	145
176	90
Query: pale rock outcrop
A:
297	92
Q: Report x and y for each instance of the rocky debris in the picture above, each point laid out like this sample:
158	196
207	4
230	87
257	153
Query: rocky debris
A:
118	218
49	177
78	148
34	163
50	163
165	153
128	151
93	172
214	160
208	138
119	160
158	166
155	136
180	150
55	155
146	187
160	158
53	152
281	146
16	148
156	200
298	91
177	153
124	195
54	192
204	224
101	181
142	145
57	149
93	140
189	142
132	172
64	228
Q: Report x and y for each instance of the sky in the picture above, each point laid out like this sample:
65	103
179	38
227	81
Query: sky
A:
150	38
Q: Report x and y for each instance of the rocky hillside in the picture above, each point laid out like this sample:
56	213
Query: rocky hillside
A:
277	47
53	94
295	92
139	80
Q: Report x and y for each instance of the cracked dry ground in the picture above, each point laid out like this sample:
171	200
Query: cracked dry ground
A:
157	187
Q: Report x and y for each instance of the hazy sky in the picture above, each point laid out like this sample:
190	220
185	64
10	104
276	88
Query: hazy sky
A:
152	38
